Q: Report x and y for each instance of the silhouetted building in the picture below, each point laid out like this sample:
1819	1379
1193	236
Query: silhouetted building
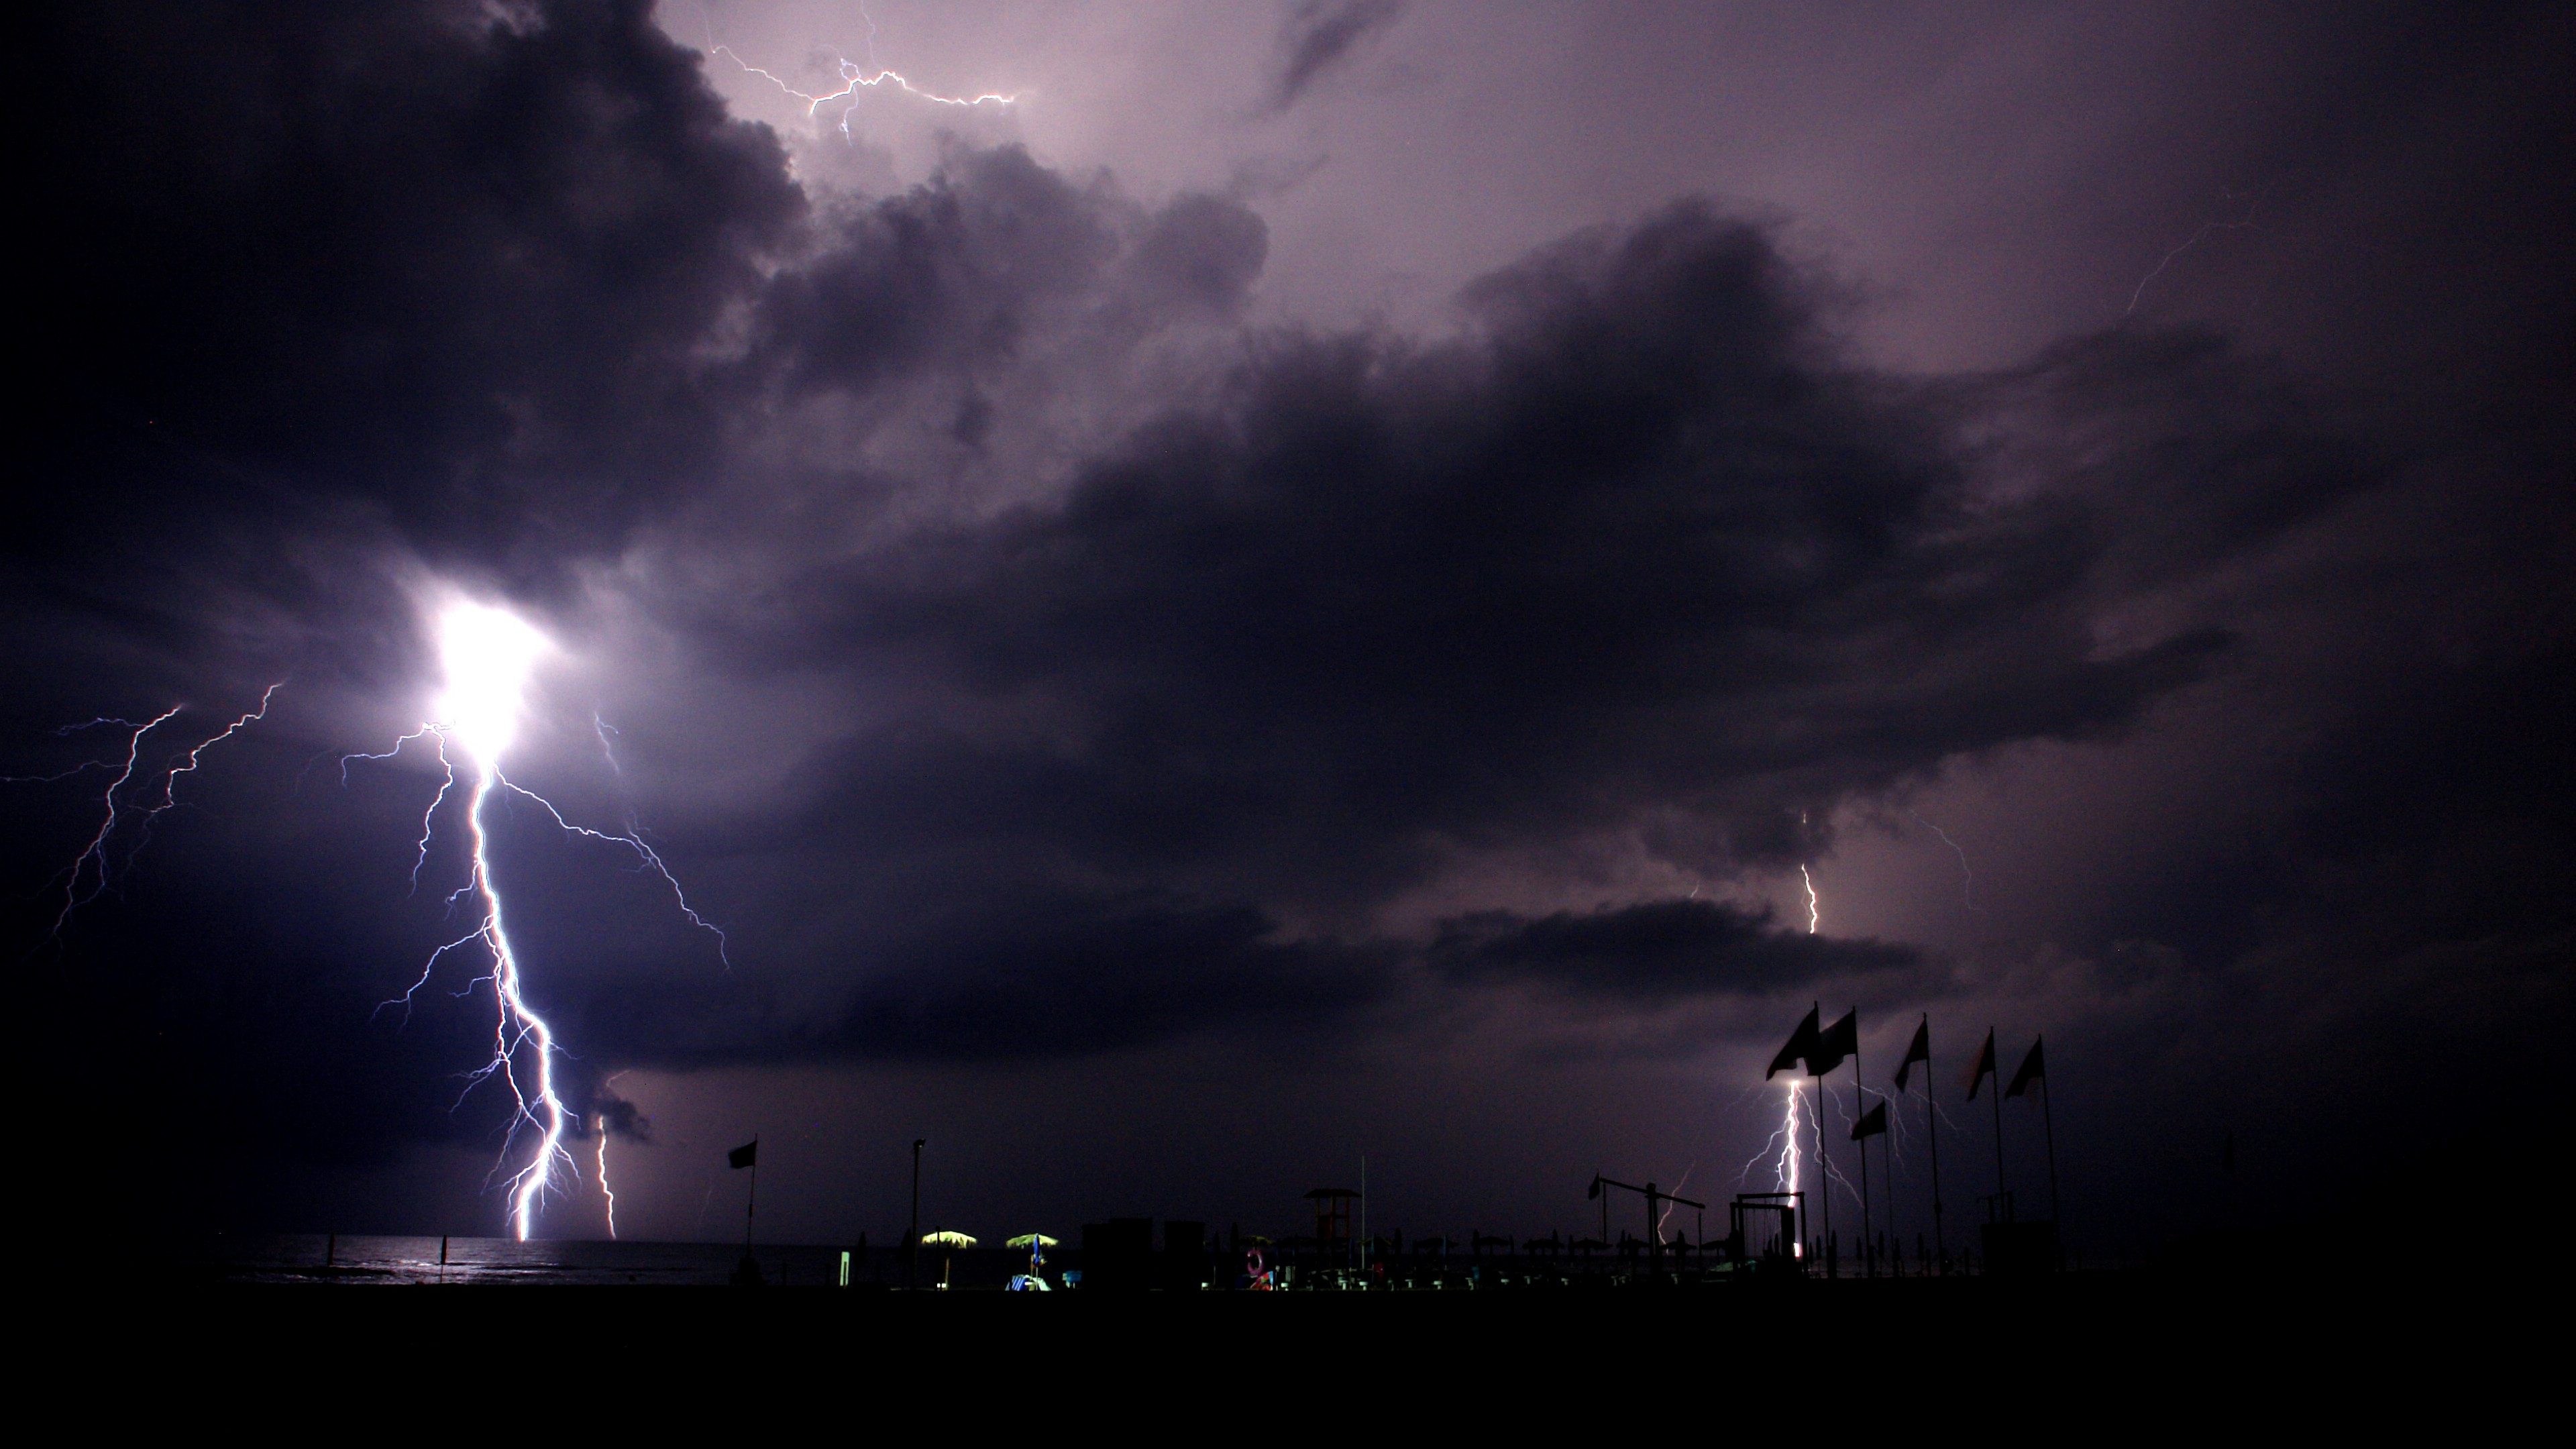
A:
1186	1261
1118	1256
2020	1249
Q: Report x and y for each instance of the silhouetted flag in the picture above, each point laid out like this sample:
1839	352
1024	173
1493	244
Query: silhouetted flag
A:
745	1155
1921	1051
1984	1066
1802	1046
1836	1042
2032	1068
1872	1123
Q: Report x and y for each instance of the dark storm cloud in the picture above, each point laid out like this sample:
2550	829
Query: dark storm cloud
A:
1048	978
1654	952
1142	741
952	276
454	267
1319	35
1643	545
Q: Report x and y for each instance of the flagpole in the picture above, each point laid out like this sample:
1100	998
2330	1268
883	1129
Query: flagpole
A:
1824	1170
1860	1109
751	1204
2003	1200
1932	1130
2048	1123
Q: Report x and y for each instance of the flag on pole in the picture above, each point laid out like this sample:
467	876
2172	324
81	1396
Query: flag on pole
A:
1840	1040
1984	1066
1802	1046
745	1155
1921	1051
2032	1068
1872	1123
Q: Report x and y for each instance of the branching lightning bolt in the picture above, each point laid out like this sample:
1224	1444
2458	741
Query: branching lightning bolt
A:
854	77
488	654
1787	1161
86	878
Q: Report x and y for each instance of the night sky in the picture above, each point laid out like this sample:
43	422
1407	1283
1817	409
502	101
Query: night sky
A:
1302	590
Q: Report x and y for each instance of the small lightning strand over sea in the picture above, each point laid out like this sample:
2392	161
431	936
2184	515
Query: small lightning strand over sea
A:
96	862
605	1190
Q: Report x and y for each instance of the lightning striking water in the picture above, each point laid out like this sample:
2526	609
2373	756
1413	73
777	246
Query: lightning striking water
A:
605	1190
487	654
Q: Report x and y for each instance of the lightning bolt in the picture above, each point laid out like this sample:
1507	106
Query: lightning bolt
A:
1815	907
87	877
1787	1162
1967	875
854	78
2246	222
488	653
609	1192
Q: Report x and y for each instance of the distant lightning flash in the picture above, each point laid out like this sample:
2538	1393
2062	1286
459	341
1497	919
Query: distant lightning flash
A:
605	1190
2195	239
1815	907
86	878
1967	874
853	77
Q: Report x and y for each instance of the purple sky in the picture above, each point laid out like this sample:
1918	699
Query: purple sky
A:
1304	590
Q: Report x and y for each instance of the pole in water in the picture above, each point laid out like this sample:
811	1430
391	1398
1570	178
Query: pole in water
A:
442	1250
